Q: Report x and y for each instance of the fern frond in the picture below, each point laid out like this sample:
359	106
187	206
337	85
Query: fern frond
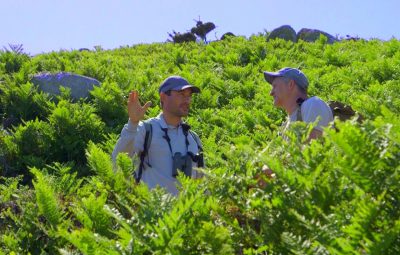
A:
100	162
93	216
387	242
7	189
46	198
88	242
66	180
170	229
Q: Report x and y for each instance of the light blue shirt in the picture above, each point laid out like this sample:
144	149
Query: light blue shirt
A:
158	162
312	109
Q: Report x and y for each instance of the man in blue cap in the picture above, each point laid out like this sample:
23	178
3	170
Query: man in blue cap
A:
172	147
289	89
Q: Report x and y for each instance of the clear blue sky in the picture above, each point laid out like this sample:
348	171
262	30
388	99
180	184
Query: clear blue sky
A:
52	25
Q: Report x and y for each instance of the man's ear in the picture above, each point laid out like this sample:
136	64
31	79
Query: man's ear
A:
162	98
292	84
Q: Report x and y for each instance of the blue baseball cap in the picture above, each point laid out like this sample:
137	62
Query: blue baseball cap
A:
176	83
291	73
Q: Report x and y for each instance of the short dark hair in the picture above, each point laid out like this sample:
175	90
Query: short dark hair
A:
287	79
168	93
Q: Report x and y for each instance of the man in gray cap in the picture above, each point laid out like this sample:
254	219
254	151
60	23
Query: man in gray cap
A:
165	144
289	89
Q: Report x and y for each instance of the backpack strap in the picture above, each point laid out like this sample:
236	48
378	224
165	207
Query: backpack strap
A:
147	142
299	102
200	158
196	139
186	130
146	146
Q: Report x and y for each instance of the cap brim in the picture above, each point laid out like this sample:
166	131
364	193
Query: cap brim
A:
194	88
270	76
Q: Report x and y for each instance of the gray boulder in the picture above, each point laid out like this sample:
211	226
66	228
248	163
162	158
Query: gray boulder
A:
285	32
79	85
311	35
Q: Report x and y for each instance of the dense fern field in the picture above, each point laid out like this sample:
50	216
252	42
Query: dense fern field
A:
59	193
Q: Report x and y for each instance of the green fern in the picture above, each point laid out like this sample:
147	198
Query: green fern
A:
46	199
93	216
387	242
8	188
100	162
88	243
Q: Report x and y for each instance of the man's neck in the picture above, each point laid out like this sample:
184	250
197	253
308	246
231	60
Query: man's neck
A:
171	119
293	104
291	107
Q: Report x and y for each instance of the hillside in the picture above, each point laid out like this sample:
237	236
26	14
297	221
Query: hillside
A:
338	195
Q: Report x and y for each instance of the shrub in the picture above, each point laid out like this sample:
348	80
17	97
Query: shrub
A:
29	145
74	126
23	102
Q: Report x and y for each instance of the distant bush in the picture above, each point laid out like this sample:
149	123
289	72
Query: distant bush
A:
11	60
199	31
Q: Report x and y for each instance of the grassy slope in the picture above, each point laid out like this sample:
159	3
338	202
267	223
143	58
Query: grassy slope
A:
338	196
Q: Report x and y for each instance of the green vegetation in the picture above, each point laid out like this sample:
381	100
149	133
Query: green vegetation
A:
339	195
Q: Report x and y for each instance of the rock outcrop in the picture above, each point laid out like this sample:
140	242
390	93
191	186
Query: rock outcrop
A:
79	85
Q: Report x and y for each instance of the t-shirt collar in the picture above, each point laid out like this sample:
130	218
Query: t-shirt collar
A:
164	124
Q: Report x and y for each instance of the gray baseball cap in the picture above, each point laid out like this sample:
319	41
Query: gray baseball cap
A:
176	83
291	73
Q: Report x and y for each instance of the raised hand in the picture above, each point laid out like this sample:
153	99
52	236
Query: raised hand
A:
135	110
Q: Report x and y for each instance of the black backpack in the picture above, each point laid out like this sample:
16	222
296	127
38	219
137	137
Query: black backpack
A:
147	142
342	111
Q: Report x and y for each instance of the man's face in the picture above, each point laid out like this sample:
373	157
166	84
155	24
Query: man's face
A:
178	102
280	91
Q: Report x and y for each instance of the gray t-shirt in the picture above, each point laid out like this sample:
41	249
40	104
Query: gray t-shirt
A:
158	163
312	109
